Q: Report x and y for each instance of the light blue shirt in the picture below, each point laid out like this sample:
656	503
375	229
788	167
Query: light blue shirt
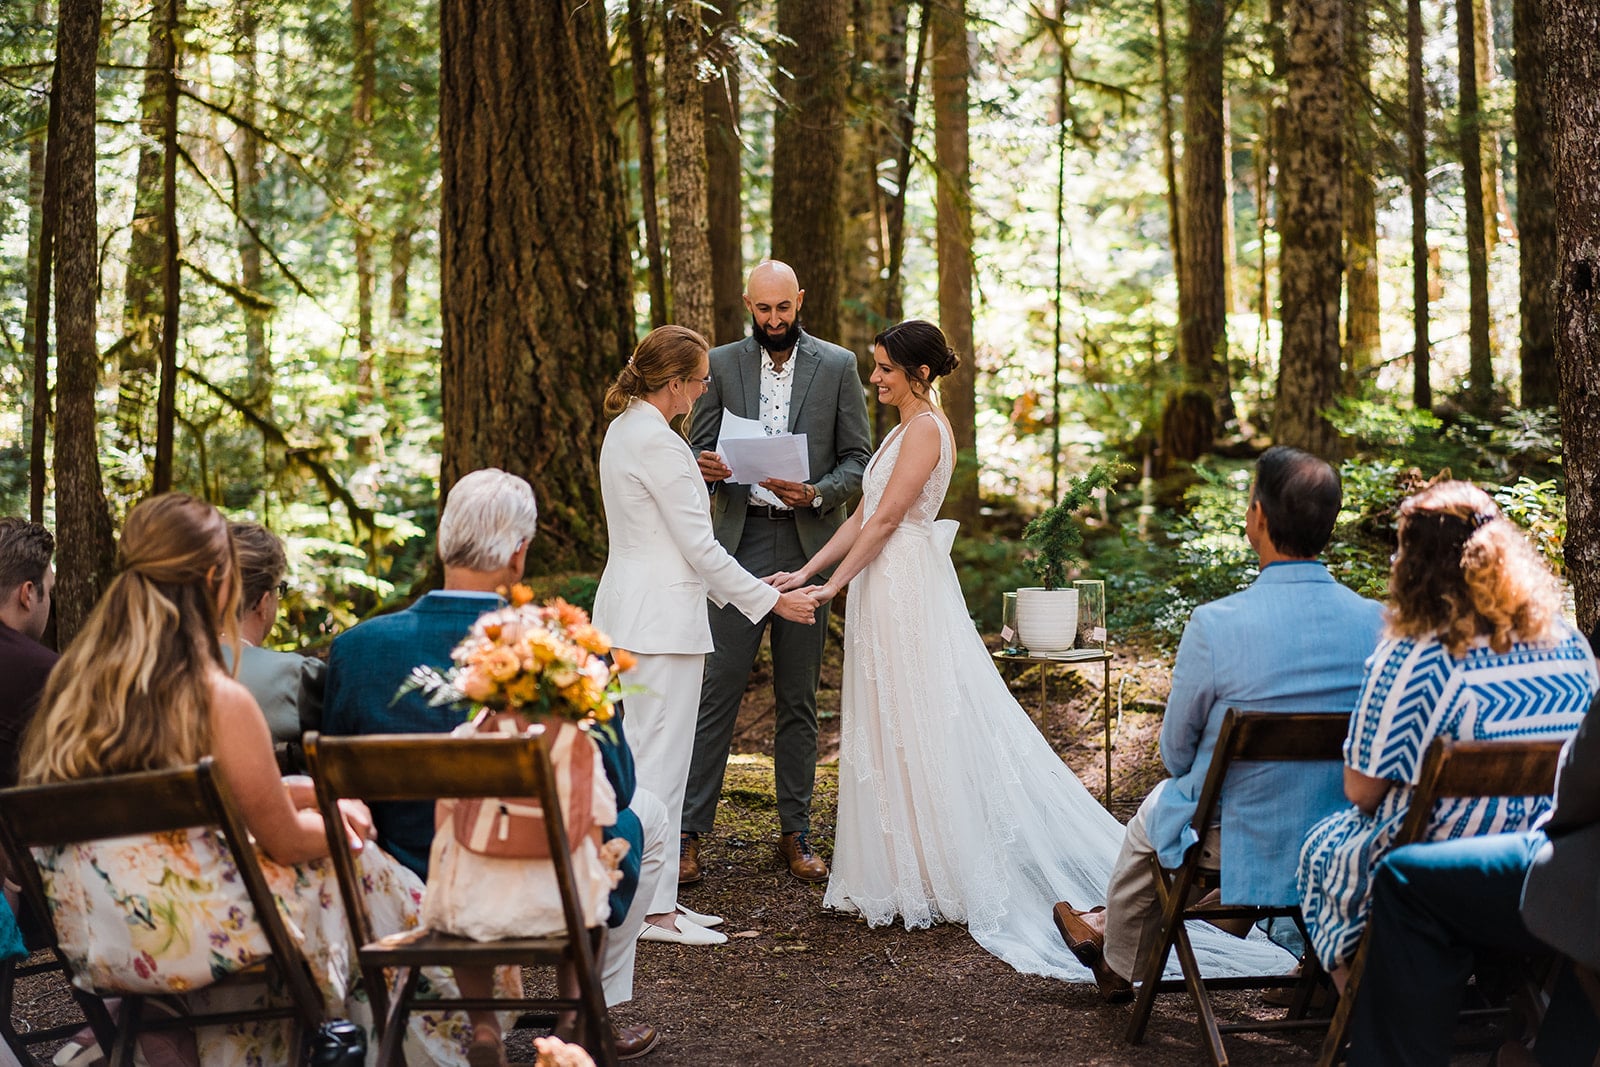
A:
1295	640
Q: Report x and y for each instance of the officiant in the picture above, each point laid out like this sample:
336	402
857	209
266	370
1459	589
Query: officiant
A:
790	382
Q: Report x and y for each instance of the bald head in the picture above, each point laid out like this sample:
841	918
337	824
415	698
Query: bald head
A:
773	296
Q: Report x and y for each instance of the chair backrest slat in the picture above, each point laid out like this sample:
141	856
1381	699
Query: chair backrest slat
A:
394	767
1280	736
1509	768
95	809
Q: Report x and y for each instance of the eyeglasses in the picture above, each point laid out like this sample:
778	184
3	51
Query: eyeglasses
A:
706	381
283	589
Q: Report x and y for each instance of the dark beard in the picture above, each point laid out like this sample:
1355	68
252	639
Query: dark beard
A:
784	342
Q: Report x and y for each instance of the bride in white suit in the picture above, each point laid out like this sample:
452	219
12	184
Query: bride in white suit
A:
663	563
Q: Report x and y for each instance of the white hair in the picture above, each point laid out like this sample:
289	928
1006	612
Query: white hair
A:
487	515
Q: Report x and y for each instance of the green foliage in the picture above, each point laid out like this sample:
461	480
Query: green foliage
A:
1054	534
1540	508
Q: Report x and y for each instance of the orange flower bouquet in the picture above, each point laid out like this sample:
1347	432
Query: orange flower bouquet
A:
535	660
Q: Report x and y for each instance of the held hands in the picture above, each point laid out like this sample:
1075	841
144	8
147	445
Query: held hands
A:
357	824
793	494
785	581
797	606
712	469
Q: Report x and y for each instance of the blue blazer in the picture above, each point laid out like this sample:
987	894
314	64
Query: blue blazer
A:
368	665
1295	640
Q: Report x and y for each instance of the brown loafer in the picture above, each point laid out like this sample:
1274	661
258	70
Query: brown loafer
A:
803	863
634	1041
1114	989
689	871
1083	937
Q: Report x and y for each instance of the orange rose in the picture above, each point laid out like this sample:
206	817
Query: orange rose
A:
525	690
623	660
571	615
476	687
520	595
591	639
501	664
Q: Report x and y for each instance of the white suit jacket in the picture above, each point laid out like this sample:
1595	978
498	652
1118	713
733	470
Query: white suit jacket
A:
664	560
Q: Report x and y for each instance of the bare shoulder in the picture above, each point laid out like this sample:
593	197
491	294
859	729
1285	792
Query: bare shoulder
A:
229	697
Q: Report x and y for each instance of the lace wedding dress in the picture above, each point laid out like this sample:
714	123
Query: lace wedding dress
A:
952	805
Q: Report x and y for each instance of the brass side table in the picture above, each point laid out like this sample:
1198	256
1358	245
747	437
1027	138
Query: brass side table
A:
1104	659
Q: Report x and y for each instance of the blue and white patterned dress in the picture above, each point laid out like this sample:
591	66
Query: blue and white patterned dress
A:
1415	691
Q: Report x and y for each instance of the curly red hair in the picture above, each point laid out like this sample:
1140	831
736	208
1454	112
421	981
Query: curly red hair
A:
1465	571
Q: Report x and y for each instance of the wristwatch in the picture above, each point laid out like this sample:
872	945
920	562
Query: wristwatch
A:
816	497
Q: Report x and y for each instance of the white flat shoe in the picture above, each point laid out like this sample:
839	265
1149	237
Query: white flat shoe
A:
687	933
699	918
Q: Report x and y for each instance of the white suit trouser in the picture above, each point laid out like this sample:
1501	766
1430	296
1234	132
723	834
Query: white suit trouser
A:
660	724
622	942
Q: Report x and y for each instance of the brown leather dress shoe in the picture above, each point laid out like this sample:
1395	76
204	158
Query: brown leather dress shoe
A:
689	859
634	1041
803	863
1085	937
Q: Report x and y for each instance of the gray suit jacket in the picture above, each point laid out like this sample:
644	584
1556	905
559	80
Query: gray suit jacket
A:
288	686
827	404
1561	897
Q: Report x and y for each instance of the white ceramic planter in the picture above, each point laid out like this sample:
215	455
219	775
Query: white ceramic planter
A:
1047	619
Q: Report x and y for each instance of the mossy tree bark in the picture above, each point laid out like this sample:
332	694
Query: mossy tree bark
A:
1574	64
536	295
1536	206
724	175
1308	370
808	150
690	248
953	207
85	549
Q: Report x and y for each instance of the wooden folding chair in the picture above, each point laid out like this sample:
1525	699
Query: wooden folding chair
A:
1451	769
392	767
1246	736
151	802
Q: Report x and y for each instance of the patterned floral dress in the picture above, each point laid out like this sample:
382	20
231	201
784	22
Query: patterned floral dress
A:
1415	691
168	914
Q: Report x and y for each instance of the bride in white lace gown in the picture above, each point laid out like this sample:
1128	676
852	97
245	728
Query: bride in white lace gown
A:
952	805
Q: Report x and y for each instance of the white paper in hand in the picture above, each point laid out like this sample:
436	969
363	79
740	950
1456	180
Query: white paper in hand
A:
754	457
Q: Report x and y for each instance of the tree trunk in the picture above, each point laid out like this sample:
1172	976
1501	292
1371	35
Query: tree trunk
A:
257	358
1536	206
49	222
724	175
1480	371
142	299
1417	182
167	398
1308	371
1363	337
690	261
808	147
644	111
1572	27
894	211
1489	137
85	549
878	72
363	19
35	334
957	393
1169	164
1202	326
401	244
535	286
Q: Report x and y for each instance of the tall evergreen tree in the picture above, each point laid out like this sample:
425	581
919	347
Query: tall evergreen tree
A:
1310	216
1536	206
1480	371
724	177
953	207
536	292
1202	326
687	238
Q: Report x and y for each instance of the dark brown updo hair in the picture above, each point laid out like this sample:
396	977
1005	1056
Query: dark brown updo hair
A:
1465	571
667	352
915	344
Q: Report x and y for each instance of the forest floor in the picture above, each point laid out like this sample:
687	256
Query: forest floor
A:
796	985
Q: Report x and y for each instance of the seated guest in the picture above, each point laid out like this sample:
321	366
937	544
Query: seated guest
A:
1295	640
1437	906
286	685
143	688
26	579
1474	648
489	521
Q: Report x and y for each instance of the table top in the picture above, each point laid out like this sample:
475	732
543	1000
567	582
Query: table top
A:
1068	658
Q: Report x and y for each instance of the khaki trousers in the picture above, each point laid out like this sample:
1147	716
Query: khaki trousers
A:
1133	911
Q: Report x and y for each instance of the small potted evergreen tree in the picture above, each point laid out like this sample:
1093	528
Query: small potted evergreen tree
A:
1047	614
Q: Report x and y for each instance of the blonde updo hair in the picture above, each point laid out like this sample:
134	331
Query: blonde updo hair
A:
1465	571
667	352
133	692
